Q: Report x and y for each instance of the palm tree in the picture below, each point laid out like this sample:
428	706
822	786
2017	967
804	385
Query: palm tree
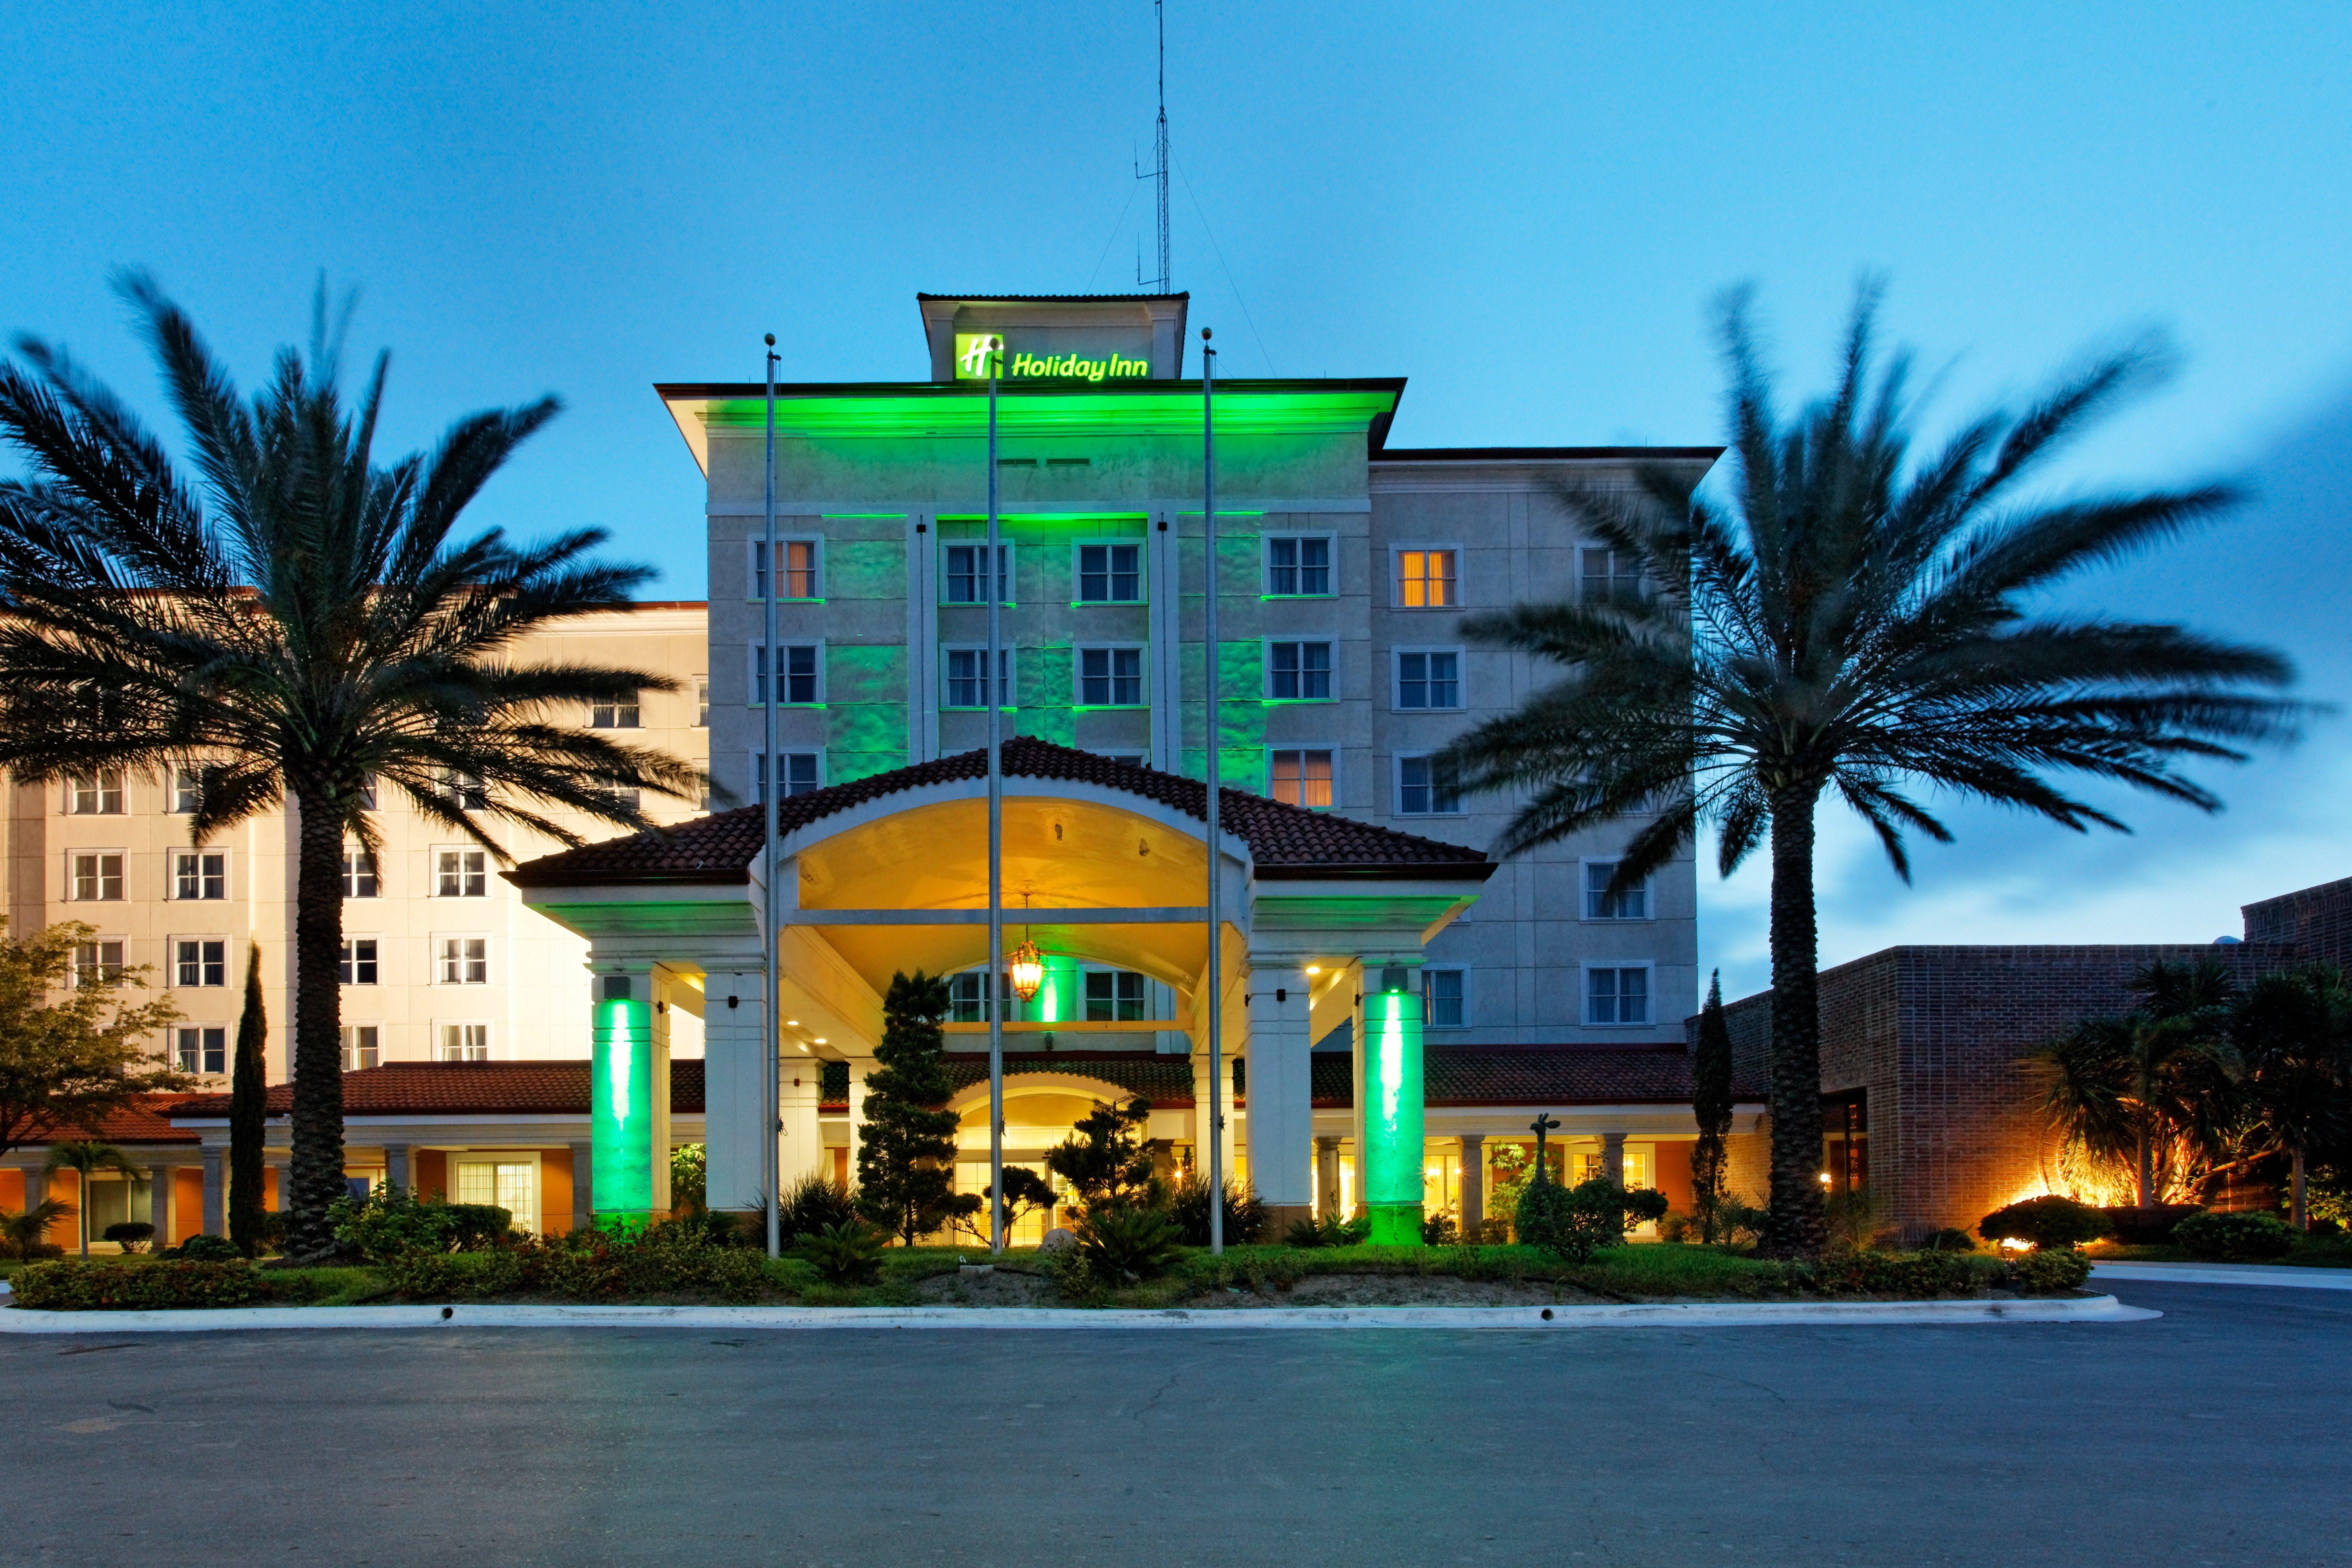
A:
24	1230
2293	1032
85	1158
1845	622
2154	1087
296	622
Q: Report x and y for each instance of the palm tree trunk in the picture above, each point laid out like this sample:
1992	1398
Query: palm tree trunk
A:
317	1168
2147	1164
1797	1227
2302	1218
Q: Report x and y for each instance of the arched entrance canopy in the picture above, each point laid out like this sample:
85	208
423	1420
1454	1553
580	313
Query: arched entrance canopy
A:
888	873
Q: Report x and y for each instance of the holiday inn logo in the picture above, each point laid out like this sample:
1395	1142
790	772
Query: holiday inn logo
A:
975	349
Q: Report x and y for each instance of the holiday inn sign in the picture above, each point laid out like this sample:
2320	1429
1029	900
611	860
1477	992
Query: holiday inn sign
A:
974	351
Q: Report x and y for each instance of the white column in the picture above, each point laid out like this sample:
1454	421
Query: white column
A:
1612	1158
215	1189
399	1161
733	1121
800	1151
583	1185
1473	1184
158	1204
1281	1091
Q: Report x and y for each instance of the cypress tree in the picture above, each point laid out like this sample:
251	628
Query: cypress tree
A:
905	1153
1711	1103
248	1114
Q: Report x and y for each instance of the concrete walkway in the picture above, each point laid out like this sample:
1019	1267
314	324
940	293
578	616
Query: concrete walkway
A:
1671	1315
2276	1275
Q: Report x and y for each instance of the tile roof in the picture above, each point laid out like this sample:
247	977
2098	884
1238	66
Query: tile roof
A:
1284	840
146	1120
427	1089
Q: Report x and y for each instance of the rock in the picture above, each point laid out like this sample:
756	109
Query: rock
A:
1057	1241
974	1270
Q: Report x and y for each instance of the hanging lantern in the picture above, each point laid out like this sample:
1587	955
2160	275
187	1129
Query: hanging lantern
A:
1027	967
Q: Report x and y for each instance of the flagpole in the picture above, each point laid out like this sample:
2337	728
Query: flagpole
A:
1209	715
771	1037
991	694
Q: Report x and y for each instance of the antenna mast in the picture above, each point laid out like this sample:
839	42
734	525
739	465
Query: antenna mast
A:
1159	150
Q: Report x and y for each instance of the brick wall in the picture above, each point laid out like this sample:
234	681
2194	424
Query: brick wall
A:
2317	920
1939	1037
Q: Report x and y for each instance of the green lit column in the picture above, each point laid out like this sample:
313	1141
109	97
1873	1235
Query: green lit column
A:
1393	1150
621	1104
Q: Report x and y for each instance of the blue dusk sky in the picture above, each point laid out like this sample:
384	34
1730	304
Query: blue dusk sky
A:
1525	209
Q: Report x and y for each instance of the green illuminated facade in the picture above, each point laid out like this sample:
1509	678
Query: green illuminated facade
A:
621	1113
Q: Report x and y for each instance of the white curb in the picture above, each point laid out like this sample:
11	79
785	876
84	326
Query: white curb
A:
1663	1314
2279	1276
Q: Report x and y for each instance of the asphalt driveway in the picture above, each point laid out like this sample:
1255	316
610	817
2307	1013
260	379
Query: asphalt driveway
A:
2214	1435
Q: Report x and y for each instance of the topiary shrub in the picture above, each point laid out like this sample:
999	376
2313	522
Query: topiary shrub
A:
1188	1206
2051	1221
130	1234
1948	1240
2046	1271
1127	1243
1577	1221
2234	1237
207	1249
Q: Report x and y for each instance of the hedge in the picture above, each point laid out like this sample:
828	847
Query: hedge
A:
74	1286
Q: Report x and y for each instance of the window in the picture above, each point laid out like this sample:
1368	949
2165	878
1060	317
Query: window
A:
1110	574
361	1049
1298	566
1110	677
702	702
98	963
797	560
1425	790
614	714
99	795
359	961
367	791
800	677
1301	777
1298	671
1429	679
199	873
187	791
462	1042
462	960
622	794
464	790
358	872
203	1051
1617	995
966	580
461	874
968	678
507	1181
1425	580
1599	904
1441	997
95	874
800	774
968	997
1113	996
1635	1169
1609	576
199	961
